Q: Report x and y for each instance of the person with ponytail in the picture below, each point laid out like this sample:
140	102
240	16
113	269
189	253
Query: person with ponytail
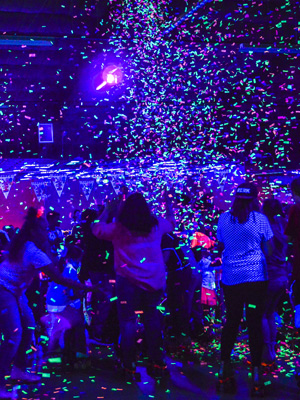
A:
245	235
27	257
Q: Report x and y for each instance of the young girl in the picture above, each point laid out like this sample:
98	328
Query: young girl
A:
65	311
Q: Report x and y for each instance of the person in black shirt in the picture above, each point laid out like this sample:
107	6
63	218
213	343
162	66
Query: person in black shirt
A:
98	266
182	281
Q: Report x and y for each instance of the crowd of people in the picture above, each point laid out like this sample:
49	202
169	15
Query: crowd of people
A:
120	261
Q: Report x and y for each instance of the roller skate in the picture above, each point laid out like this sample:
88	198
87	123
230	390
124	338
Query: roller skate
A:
158	370
226	381
82	362
269	367
130	374
258	387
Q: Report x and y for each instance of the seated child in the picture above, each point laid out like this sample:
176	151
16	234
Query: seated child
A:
65	313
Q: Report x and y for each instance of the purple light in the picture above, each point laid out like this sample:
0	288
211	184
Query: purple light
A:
111	75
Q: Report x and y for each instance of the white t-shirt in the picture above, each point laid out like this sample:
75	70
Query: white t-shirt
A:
137	258
16	277
208	273
243	258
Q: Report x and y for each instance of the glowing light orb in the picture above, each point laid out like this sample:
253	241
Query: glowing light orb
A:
111	75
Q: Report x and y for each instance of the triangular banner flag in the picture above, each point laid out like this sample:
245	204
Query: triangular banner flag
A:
6	182
223	178
40	189
117	180
86	187
98	178
59	182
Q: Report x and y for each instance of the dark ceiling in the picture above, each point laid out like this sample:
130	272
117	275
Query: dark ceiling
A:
51	52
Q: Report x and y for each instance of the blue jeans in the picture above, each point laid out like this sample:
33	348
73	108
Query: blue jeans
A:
17	325
132	298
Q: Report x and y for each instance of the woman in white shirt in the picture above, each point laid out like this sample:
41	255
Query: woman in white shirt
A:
140	277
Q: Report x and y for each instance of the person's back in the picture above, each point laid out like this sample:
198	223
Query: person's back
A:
138	256
243	232
55	235
98	254
243	258
140	277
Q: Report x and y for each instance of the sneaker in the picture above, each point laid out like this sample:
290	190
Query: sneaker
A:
258	388
226	381
4	394
24	376
100	340
131	375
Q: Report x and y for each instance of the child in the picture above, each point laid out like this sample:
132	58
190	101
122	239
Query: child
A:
65	312
292	231
208	289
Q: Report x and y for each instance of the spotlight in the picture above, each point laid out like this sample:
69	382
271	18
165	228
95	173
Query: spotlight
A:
111	75
111	78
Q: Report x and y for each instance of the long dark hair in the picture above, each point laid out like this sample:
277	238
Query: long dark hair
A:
136	216
271	208
295	186
24	235
245	203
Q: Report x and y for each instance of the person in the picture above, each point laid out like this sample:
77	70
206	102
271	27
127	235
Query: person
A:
55	235
209	300
140	277
26	258
243	232
75	222
76	218
278	272
4	242
292	231
65	312
98	267
182	279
